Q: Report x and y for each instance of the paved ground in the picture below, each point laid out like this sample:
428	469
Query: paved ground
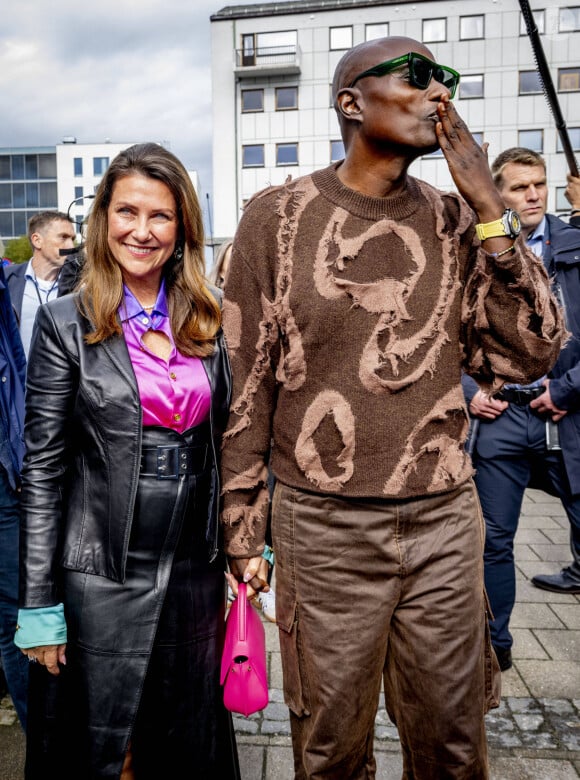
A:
534	735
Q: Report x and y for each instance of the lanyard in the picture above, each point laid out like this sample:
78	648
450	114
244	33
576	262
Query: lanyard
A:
48	292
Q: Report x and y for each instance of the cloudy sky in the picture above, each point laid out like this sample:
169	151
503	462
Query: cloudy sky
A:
126	70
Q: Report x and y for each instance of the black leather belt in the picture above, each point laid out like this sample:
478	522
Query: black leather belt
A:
519	396
171	461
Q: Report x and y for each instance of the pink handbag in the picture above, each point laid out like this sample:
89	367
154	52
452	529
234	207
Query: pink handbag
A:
243	668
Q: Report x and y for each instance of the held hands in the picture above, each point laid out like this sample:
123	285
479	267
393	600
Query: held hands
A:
467	163
47	655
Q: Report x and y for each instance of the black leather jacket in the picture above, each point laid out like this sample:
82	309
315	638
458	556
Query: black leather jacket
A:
83	450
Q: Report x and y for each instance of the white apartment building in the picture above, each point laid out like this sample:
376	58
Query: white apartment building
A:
272	67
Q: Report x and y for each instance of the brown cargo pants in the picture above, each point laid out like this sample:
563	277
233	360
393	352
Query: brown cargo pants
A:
371	590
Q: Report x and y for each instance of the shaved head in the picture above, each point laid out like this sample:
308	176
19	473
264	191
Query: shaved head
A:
367	55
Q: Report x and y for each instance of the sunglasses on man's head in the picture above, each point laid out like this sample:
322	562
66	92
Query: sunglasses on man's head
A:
421	71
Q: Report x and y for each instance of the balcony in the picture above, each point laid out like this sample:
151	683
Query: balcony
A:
267	61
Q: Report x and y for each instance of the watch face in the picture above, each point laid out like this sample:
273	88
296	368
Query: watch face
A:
514	223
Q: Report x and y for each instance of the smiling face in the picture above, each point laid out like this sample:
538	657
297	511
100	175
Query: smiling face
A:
524	188
142	229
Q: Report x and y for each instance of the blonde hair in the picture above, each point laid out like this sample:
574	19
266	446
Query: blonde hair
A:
518	155
194	312
217	275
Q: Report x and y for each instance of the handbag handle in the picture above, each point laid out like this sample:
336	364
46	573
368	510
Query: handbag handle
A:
242	606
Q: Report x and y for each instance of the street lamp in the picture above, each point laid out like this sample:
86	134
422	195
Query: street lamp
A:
75	249
71	204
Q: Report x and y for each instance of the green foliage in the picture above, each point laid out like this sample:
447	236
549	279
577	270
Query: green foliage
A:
18	250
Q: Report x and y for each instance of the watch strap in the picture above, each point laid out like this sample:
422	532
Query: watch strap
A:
490	229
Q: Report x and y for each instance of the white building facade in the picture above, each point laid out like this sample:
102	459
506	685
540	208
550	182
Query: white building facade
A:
272	67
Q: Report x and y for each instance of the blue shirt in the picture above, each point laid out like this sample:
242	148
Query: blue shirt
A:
36	292
535	241
12	380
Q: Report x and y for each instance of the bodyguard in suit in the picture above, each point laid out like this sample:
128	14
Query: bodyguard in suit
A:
37	281
531	435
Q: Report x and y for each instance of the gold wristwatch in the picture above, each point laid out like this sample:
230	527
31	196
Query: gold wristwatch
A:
508	224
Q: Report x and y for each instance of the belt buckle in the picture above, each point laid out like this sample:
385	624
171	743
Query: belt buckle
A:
524	397
168	462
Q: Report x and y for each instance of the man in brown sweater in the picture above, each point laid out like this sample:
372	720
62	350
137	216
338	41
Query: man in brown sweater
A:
355	297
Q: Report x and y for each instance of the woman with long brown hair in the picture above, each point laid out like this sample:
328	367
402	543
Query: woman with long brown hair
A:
123	588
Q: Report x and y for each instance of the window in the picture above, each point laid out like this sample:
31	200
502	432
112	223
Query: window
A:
6	224
18	166
6	198
78	166
268	47
47	166
286	154
32	195
471	86
18	196
570	19
100	165
285	39
48	195
31	166
434	30
340	38
530	83
252	100
574	136
20	226
568	79
562	202
539	19
78	193
286	98
248	50
531	139
253	156
374	31
5	167
336	151
471	27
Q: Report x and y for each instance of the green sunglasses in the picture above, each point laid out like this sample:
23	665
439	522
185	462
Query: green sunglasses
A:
421	71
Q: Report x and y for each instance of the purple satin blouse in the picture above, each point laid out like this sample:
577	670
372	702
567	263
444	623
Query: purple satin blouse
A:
174	393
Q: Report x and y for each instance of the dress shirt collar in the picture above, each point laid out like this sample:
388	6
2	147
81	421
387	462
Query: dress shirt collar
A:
132	307
535	239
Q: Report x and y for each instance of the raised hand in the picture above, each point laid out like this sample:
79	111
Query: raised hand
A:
467	163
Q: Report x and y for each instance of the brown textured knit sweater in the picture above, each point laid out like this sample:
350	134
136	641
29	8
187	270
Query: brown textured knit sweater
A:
349	320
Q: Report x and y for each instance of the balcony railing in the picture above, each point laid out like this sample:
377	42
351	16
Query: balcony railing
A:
268	60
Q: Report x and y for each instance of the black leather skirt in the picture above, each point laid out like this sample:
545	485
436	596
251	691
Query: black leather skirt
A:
143	657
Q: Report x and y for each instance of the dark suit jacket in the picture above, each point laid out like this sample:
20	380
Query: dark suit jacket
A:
16	281
561	255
